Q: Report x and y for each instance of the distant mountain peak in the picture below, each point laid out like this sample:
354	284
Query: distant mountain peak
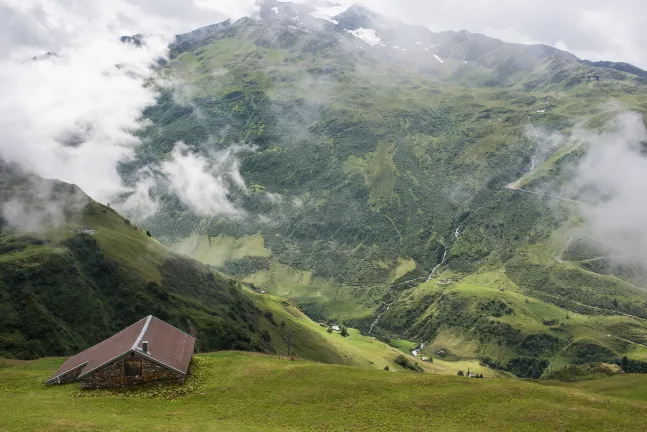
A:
48	55
137	40
357	16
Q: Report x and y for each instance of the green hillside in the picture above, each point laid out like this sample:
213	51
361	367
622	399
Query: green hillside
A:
66	286
86	273
234	391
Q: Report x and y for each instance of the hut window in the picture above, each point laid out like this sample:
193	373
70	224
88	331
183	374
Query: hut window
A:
133	367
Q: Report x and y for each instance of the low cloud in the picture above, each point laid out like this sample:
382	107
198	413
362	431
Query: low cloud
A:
72	115
544	142
613	177
205	184
141	202
39	204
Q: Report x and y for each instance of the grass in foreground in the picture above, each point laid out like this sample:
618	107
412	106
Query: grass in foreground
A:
239	392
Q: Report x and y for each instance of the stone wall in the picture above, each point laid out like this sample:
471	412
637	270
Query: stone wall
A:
114	374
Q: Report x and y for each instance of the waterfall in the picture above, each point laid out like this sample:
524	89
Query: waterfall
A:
438	265
378	318
533	163
457	232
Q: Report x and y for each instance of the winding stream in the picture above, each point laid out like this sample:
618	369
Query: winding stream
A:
415	352
533	164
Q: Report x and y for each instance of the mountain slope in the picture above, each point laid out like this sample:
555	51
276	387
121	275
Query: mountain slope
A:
371	156
73	283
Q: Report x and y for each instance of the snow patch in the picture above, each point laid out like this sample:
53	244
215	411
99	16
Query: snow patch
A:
328	12
275	9
438	58
367	35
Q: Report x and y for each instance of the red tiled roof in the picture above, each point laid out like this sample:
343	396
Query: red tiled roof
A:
166	345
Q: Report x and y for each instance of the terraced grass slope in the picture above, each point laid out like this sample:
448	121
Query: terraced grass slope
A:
238	392
508	329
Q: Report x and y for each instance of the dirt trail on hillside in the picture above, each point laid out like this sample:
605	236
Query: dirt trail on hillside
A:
516	187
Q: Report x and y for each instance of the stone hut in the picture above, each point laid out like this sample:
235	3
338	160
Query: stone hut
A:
148	350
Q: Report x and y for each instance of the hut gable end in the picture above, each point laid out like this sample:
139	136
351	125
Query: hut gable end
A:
115	373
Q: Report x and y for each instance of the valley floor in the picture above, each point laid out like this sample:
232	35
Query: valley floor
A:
242	391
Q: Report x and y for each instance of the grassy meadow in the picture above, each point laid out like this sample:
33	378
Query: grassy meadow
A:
233	391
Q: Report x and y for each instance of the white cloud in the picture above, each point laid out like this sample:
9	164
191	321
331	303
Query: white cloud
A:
141	202
71	117
204	184
42	204
613	176
328	12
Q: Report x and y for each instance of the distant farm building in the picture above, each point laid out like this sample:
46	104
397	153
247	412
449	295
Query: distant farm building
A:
146	351
593	77
336	328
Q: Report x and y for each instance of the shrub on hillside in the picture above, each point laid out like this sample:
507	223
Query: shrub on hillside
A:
407	364
270	317
527	367
631	366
